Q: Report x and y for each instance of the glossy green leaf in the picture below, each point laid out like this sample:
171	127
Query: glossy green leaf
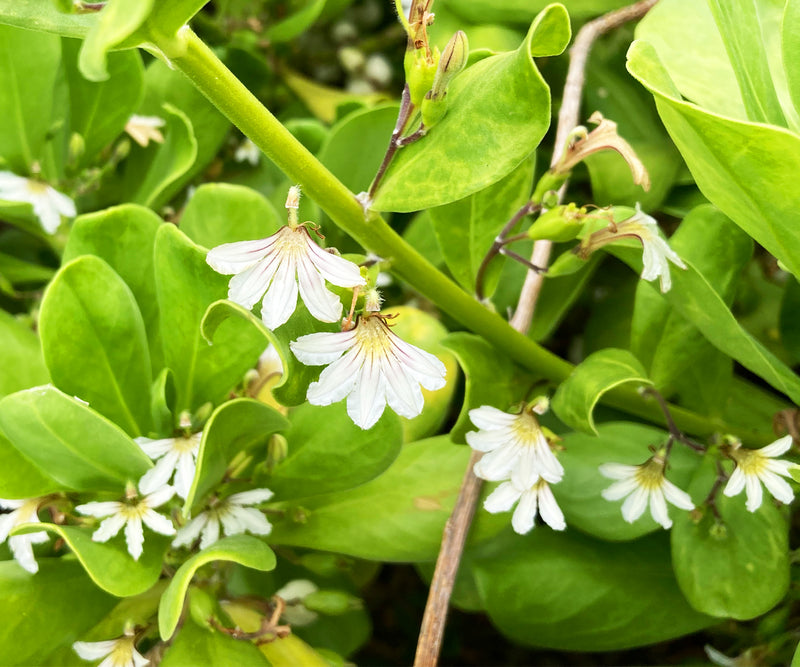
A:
569	592
338	457
466	229
579	493
76	447
236	426
195	645
243	549
291	26
109	564
796	658
171	160
95	344
27	78
488	375
790	49
99	111
20	356
500	107
185	286
738	568
733	180
45	17
124	236
523	11
21	477
223	213
60	597
20	272
576	397
118	20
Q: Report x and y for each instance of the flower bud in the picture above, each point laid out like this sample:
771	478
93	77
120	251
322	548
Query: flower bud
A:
77	147
331	602
452	61
562	223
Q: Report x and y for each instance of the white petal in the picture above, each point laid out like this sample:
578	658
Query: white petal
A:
48	214
777	448
635	505
526	472
63	204
323	304
427	368
252	497
336	270
617	470
402	392
754	492
184	474
247	288
22	549
778	487
254	521
658	509
94	650
497	465
134	537
139	660
210	533
322	348
488	418
157	477
620	489
232	258
159	497
191	531
522	521
10	181
547	464
12	504
7	522
155	448
99	509
549	510
735	484
781	467
502	498
108	528
486	441
365	404
281	297
158	523
676	496
337	380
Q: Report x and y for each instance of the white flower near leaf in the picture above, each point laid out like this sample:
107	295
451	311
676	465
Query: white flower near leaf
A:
48	204
274	267
515	444
178	455
642	485
23	511
293	593
247	151
371	366
119	652
230	516
131	514
531	499
144	129
760	466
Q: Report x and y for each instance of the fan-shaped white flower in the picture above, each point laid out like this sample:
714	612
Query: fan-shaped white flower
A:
48	204
757	466
515	444
642	484
377	368
533	498
24	511
273	268
230	516
177	454
144	129
131	515
119	652
247	151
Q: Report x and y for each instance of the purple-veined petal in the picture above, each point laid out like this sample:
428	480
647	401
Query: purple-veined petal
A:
323	304
281	297
336	270
322	348
367	400
235	257
247	287
425	367
337	380
402	393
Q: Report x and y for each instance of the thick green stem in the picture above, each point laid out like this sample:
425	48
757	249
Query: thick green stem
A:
233	99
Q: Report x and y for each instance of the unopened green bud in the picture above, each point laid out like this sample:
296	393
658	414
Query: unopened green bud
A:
77	147
330	602
562	223
565	265
420	72
451	62
277	450
201	607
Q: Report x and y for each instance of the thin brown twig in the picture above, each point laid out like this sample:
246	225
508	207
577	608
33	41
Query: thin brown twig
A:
568	117
457	526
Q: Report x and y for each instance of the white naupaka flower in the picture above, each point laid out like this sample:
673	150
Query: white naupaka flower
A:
516	446
754	466
532	498
48	204
178	454
247	151
131	514
23	511
231	516
293	593
655	250
144	129
119	652
273	268
377	368
643	483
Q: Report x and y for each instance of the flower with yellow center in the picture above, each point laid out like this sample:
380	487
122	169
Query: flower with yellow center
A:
757	466
173	454
377	368
131	514
643	483
48	204
515	444
119	652
23	511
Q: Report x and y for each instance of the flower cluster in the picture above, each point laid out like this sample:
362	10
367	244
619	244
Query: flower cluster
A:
519	454
760	466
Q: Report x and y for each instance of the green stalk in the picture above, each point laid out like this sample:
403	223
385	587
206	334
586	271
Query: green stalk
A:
232	98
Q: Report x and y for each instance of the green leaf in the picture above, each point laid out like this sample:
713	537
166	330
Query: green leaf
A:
243	549
21	478
109	564
44	611
576	397
45	17
291	26
519	12
737	568
223	213
95	344
579	493
466	229
171	160
20	356
28	68
790	49
185	286
124	236
194	645
340	456
99	111
569	592
236	426
76	447
500	107
734	181
20	272
790	318
117	21
488	375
